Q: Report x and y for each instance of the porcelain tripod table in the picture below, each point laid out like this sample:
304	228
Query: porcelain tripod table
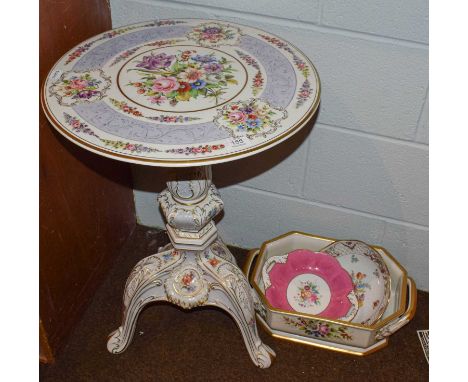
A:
184	93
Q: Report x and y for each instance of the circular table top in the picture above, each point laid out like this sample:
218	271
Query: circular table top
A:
181	92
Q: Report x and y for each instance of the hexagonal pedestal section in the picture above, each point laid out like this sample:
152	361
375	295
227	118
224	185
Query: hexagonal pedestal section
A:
198	271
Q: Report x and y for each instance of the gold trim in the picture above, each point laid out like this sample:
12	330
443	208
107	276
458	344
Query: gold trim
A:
411	310
373	327
251	255
321	346
410	313
185	163
182	111
174	162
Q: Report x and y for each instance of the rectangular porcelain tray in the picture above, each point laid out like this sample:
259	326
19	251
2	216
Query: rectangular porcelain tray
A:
359	339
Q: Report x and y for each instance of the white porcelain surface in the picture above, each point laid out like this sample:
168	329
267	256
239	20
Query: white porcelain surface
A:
370	277
325	344
181	92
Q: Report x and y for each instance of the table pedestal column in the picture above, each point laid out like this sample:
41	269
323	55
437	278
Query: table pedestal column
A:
196	269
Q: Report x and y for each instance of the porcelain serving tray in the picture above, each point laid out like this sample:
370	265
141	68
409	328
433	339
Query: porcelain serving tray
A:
348	337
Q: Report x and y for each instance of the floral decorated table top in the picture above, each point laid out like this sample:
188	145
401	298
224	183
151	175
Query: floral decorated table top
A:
181	92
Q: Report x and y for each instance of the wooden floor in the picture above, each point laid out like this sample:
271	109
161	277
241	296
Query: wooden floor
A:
171	344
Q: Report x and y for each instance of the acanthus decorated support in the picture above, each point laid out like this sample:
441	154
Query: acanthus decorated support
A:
197	269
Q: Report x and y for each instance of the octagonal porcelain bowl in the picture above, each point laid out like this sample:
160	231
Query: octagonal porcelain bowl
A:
310	282
370	275
339	335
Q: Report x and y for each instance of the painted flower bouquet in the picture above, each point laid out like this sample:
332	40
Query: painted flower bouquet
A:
80	87
212	34
308	295
319	329
183	77
250	117
360	286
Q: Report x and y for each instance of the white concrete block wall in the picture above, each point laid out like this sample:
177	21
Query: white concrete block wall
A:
402	19
362	171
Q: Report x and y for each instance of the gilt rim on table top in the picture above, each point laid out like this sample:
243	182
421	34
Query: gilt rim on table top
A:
75	100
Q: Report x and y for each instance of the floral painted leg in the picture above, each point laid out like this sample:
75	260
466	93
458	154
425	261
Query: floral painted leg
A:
144	285
196	269
219	249
230	291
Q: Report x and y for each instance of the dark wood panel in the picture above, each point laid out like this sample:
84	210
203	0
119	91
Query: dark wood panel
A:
86	202
45	352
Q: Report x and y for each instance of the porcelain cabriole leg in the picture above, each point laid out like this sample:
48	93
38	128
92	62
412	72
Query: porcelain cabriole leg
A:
144	285
198	271
230	291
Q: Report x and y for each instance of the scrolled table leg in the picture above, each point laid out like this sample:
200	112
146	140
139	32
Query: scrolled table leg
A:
231	292
144	285
199	270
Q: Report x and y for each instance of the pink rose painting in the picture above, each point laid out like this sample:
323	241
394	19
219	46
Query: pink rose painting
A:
78	84
165	84
78	87
237	116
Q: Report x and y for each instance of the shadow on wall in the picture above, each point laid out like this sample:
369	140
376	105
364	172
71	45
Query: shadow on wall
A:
114	171
346	173
365	180
238	171
153	179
